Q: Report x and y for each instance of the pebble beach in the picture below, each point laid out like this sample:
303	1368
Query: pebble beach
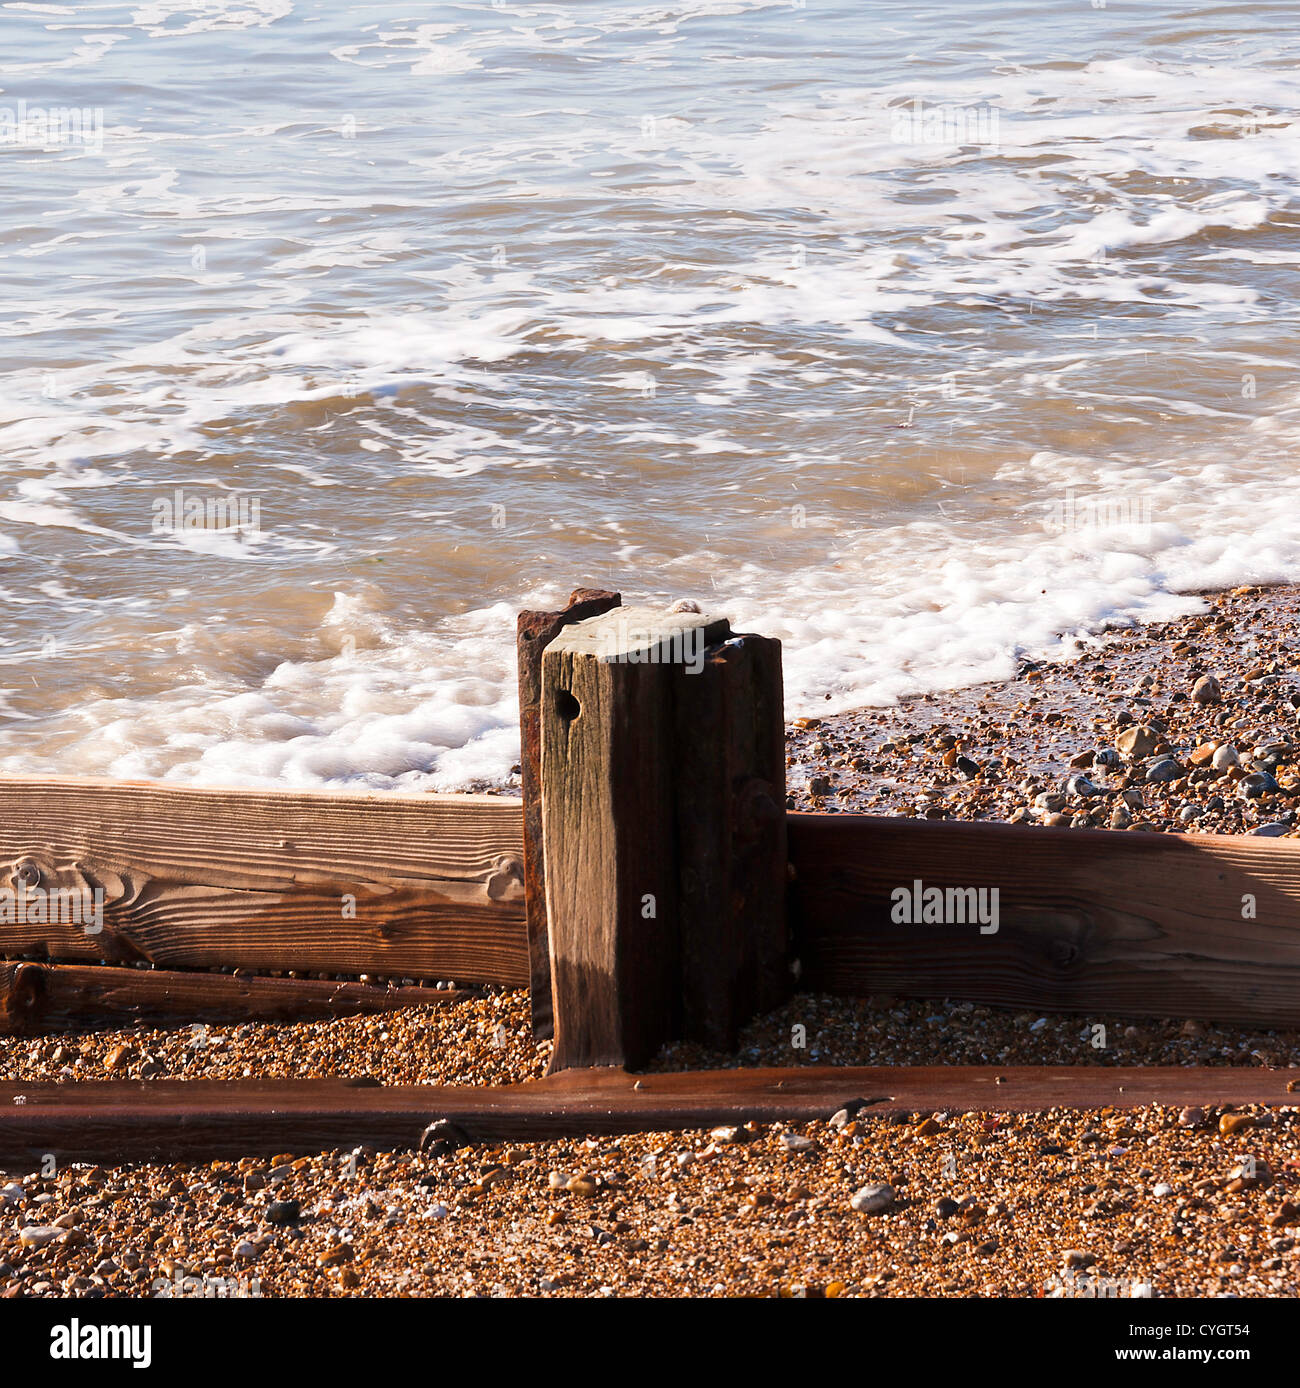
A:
1145	1203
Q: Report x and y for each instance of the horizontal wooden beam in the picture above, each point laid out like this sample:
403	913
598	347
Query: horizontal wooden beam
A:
399	885
37	998
118	1121
1102	923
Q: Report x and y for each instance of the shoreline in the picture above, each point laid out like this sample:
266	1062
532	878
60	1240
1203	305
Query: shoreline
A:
1121	737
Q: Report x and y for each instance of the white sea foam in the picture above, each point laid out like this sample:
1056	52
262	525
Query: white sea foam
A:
649	294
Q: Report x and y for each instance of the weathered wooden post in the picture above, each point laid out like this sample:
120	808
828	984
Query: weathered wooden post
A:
534	632
663	823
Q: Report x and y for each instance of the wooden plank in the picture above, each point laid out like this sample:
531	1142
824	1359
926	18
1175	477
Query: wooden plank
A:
535	631
170	1120
37	998
399	885
1089	921
729	748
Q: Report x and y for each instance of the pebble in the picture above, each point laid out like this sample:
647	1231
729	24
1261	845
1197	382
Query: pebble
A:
1207	690
1234	1123
796	1142
1224	757
1191	1118
1165	770
38	1235
1256	784
283	1212
1275	830
1137	742
873	1199
1163	1189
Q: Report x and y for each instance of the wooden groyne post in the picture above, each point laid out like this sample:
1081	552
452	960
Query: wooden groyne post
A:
662	795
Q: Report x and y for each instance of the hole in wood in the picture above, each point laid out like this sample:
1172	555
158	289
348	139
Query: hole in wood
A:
566	705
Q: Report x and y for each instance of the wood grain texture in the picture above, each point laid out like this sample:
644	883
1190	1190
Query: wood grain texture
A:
258	879
534	632
171	1120
609	830
1090	921
729	753
38	998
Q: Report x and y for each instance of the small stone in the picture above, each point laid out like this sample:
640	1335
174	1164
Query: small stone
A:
1275	830
1078	1258
338	1255
1163	1189
728	1136
1137	742
1231	1123
796	1142
442	1137
1191	1118
1164	770
245	1248
1224	757
38	1235
1256	784
1081	785
119	1057
283	1212
349	1278
1203	754
873	1199
584	1186
1207	690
